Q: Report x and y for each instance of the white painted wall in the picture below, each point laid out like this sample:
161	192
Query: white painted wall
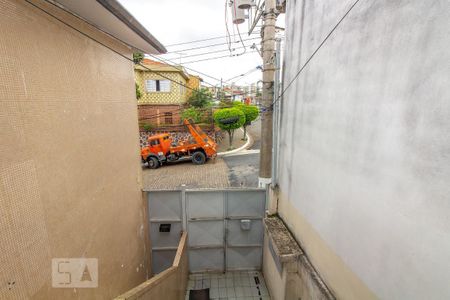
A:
365	149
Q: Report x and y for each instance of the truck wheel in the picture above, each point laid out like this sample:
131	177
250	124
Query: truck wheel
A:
153	163
198	158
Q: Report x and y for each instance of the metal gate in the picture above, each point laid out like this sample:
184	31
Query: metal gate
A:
224	228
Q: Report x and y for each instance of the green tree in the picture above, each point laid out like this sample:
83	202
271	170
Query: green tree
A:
251	112
229	119
192	113
200	98
138	57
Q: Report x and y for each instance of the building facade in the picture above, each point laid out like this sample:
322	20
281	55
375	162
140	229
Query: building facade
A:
364	153
67	110
165	89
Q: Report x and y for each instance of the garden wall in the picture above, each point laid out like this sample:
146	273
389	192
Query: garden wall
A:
179	136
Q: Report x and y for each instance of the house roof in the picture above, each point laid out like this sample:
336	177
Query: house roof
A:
161	67
111	17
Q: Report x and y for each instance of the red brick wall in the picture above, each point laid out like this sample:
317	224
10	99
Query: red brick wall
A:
155	114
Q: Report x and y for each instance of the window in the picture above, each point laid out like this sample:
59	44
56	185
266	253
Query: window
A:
154	142
164	85
157	86
168	118
182	88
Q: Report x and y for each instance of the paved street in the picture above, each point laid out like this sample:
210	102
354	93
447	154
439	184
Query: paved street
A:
255	131
213	174
243	167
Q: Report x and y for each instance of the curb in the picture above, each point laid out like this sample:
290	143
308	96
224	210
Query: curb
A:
249	139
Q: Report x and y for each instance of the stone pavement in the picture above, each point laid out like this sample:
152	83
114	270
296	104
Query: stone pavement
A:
213	174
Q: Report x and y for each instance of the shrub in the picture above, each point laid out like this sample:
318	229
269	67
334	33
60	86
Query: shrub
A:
147	126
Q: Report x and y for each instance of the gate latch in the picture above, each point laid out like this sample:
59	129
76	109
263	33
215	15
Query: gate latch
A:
246	224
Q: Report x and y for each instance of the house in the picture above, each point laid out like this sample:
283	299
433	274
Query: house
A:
363	182
69	153
165	89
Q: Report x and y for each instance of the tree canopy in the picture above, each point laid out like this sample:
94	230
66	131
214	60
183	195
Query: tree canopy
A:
200	98
251	112
194	114
229	118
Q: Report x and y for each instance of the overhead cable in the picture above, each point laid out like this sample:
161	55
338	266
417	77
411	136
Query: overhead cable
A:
104	45
212	45
213	58
211	52
202	40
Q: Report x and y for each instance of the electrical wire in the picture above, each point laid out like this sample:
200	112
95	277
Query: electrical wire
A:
246	73
207	46
213	58
313	54
239	32
240	37
202	40
58	7
167	60
104	45
178	110
211	52
228	37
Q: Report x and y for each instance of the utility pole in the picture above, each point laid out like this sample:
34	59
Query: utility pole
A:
276	114
268	53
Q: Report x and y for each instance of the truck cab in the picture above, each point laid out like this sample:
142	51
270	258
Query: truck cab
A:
160	144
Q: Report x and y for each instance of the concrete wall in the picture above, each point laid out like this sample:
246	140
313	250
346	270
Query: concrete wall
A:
276	281
364	178
171	284
70	173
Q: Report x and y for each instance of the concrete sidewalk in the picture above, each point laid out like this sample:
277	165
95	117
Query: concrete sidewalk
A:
224	145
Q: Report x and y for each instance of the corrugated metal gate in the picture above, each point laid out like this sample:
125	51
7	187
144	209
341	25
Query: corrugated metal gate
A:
224	227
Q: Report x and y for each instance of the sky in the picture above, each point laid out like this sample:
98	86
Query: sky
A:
177	21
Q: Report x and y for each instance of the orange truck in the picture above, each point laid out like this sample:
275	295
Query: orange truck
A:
161	149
